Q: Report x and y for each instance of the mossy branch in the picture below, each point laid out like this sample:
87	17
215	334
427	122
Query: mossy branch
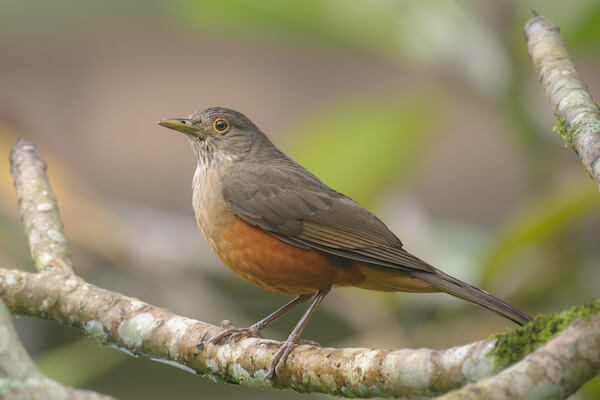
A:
142	329
516	344
555	371
578	117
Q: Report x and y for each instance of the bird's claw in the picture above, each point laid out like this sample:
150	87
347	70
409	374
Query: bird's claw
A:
280	357
284	351
236	333
252	331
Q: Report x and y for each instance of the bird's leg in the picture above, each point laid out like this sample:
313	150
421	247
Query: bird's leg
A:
294	338
255	329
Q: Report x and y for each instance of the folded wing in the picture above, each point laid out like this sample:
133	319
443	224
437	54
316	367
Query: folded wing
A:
295	206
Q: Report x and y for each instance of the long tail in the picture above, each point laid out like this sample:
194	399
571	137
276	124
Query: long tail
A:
467	292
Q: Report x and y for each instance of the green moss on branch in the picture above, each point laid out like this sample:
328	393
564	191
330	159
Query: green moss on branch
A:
516	344
567	133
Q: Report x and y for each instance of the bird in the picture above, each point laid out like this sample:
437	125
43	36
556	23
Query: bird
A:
277	225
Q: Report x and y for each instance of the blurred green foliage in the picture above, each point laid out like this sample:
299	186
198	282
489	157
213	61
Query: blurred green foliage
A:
361	147
546	217
369	25
586	32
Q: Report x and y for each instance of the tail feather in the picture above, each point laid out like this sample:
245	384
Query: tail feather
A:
470	293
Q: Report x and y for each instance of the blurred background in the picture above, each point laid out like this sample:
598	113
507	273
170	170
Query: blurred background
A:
427	113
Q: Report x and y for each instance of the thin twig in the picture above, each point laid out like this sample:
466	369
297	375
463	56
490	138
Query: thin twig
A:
577	114
39	210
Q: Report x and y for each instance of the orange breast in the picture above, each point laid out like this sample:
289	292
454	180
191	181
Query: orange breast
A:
278	266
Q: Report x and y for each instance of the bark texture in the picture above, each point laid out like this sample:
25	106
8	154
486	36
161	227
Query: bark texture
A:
577	114
555	371
39	209
142	329
19	377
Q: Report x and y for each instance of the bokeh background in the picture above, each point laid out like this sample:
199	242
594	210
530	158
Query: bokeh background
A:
428	113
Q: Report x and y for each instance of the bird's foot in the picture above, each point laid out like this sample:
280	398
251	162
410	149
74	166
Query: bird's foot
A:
236	333
281	356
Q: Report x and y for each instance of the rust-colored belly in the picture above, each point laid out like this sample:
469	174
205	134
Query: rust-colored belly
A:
278	266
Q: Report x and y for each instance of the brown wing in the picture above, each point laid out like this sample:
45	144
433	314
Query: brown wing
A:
293	205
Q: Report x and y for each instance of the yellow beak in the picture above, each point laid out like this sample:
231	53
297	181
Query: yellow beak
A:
182	125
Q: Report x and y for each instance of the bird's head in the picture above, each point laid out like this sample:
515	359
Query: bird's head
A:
218	133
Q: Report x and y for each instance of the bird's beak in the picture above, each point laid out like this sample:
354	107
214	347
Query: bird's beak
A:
182	125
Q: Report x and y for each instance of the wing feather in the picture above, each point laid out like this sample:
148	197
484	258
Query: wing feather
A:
295	206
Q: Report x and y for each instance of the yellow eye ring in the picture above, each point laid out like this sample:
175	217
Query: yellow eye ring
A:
220	125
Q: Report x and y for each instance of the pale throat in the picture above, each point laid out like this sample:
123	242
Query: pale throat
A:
207	154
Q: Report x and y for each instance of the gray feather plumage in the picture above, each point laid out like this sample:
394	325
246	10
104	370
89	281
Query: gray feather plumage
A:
286	200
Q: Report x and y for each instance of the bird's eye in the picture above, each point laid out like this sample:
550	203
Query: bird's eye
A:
220	125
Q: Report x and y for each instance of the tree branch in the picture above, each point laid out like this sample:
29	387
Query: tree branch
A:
19	377
39	210
142	329
577	114
555	371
